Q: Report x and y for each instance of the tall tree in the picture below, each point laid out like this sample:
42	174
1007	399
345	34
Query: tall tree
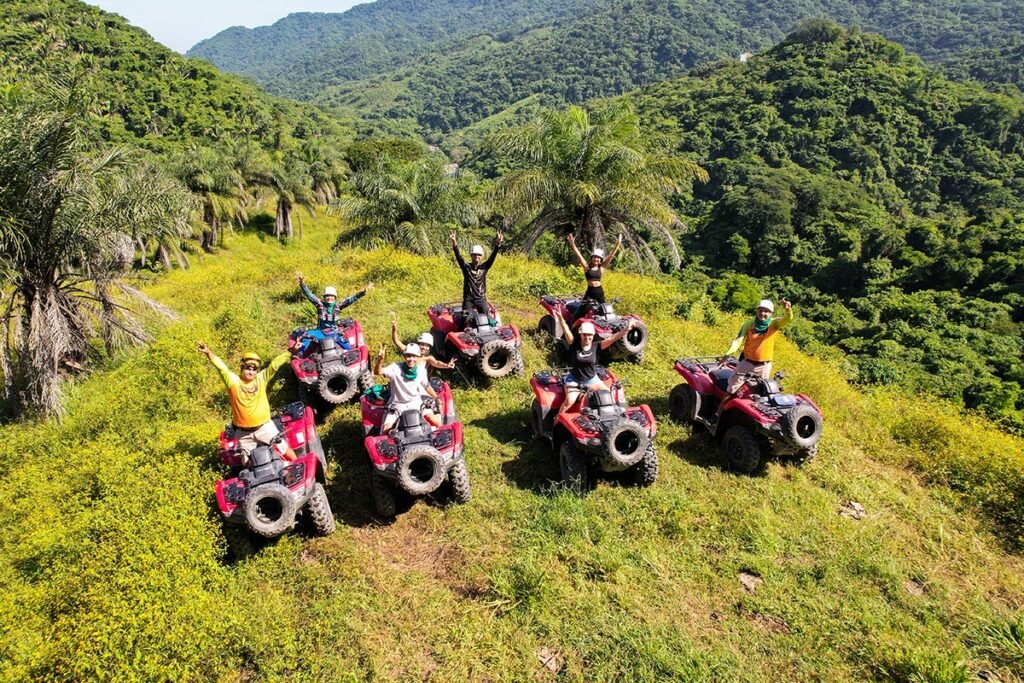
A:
210	175
411	204
68	218
577	173
289	186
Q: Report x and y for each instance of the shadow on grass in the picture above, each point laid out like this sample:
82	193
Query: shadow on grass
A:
535	466
349	489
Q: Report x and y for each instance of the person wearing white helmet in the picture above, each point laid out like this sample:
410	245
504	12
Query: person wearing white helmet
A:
426	343
592	272
474	274
756	340
408	386
582	375
327	312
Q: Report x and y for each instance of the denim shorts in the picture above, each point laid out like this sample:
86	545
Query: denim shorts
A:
569	380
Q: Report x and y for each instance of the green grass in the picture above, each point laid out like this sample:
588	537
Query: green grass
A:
114	567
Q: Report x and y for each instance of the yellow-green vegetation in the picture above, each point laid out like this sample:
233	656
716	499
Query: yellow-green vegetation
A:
114	565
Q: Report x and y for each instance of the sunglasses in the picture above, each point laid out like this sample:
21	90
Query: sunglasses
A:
250	366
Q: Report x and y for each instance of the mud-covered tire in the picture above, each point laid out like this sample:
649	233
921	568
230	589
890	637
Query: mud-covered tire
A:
269	510
635	340
383	495
518	364
240	543
497	358
320	515
683	403
741	449
625	443
458	476
802	426
645	472
367	381
421	469
573	467
338	384
547	326
804	456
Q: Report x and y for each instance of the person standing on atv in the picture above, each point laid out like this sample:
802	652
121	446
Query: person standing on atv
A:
426	343
593	272
756	339
250	408
327	312
582	375
408	385
474	275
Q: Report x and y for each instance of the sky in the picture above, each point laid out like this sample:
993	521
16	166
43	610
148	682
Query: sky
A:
180	24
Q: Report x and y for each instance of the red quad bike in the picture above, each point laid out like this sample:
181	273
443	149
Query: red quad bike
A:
414	456
760	421
598	433
267	494
494	349
331	372
605	320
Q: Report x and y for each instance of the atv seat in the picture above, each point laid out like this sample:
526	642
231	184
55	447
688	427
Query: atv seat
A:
602	404
721	377
412	428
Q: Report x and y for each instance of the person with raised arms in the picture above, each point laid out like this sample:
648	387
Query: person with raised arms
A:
407	385
582	375
592	271
474	274
328	312
426	343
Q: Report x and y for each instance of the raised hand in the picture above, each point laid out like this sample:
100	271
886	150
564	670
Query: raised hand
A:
451	238
369	287
298	276
499	238
786	304
619	240
204	349
451	363
381	352
571	239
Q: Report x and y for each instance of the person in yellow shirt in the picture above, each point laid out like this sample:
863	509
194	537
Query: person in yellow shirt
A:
756	338
250	408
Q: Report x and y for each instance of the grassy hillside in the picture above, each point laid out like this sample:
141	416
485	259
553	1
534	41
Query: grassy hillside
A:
114	566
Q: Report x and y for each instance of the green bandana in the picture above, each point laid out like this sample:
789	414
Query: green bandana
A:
409	373
761	326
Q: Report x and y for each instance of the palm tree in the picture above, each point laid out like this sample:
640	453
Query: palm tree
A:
209	175
326	168
290	186
68	218
408	204
582	174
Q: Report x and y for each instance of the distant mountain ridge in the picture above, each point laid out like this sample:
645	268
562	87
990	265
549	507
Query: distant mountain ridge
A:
445	64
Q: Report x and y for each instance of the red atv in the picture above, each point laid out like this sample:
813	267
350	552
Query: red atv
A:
334	374
605	320
760	421
267	493
414	456
599	433
494	349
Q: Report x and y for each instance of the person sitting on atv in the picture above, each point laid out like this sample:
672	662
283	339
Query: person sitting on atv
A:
474	275
426	343
408	385
593	272
582	375
327	313
250	408
756	339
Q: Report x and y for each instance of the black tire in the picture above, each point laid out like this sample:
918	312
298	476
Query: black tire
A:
458	475
741	449
338	383
497	358
537	419
636	339
421	469
518	365
320	511
548	326
683	404
645	472
638	358
383	495
625	443
241	544
367	380
573	466
802	426
804	456
269	510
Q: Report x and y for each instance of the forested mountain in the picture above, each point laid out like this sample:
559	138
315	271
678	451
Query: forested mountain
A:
444	65
145	93
883	197
1003	64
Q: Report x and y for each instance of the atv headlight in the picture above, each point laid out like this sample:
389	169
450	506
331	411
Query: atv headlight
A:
293	474
350	357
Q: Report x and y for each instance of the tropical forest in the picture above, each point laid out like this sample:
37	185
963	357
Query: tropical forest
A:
392	343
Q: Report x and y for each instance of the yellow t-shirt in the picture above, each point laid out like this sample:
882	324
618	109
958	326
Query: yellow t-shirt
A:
759	348
250	407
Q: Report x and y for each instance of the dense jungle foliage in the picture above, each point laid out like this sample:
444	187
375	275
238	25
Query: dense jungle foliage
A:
440	65
995	65
882	197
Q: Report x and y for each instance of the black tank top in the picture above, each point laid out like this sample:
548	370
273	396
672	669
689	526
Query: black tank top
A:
593	274
584	363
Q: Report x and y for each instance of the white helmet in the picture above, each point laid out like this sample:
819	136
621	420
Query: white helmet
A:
425	338
477	250
330	291
597	253
412	350
767	304
587	328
